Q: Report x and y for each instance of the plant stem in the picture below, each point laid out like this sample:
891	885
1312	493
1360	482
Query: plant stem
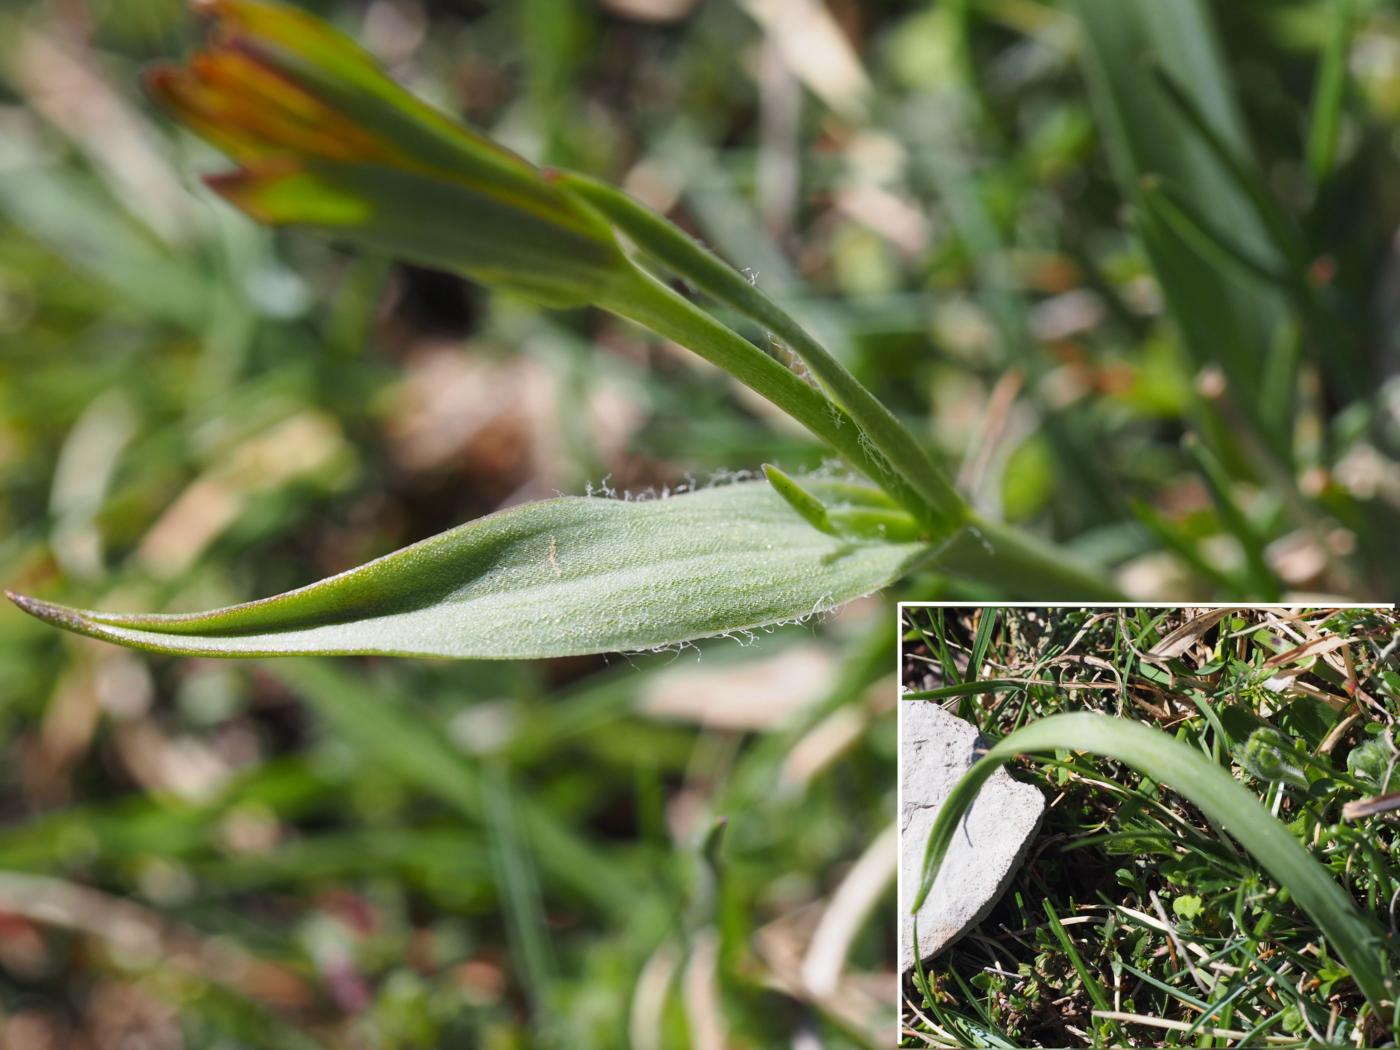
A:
1017	563
926	490
865	432
651	304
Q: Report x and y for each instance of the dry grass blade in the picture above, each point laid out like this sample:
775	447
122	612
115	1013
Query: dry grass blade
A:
1372	806
1188	634
1182	1026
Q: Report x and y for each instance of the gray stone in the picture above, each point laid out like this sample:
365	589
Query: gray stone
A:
935	749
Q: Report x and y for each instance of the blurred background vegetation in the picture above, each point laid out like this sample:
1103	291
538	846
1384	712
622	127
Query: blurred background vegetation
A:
1191	379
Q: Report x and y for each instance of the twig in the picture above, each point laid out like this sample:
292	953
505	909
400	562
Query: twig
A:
1180	945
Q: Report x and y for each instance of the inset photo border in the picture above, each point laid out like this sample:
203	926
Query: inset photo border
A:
1147	825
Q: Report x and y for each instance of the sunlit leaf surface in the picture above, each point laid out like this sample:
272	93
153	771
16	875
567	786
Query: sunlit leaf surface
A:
555	578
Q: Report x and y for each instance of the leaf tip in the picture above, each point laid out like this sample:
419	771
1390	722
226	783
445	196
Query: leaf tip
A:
42	610
919	898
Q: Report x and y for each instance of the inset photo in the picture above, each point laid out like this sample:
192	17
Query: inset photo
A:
1149	826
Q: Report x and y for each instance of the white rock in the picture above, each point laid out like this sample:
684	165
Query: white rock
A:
935	749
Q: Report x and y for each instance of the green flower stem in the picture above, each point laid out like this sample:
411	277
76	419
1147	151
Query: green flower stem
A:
913	475
650	303
1219	796
986	552
1017	563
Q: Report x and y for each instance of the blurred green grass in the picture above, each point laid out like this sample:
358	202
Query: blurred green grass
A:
195	411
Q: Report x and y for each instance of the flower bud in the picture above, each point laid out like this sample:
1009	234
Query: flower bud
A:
1373	761
324	138
1267	756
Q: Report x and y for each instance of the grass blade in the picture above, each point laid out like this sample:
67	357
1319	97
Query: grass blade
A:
945	658
1213	245
972	688
1227	319
1325	125
986	627
519	888
1092	986
1259	577
1286	238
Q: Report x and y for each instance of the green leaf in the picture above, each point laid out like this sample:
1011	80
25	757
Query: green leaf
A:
556	578
1219	796
1329	94
1187	907
970	688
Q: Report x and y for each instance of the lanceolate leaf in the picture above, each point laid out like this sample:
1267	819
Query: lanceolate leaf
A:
556	578
1219	796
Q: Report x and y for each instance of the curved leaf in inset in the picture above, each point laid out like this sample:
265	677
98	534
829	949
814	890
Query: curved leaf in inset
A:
1353	938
